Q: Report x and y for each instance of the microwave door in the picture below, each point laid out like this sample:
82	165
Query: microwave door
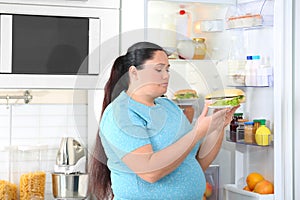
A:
94	46
6	44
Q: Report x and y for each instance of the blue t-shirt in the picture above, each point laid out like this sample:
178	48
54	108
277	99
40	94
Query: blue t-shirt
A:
127	125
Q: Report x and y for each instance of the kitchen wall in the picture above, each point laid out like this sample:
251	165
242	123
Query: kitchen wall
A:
30	134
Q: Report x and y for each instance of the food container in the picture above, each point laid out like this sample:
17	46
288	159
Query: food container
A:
27	171
185	49
70	186
200	48
8	190
232	192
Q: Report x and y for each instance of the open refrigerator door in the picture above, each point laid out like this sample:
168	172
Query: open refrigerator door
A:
232	32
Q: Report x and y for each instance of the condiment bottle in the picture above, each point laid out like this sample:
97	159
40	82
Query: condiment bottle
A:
234	125
200	48
256	125
262	134
240	130
249	136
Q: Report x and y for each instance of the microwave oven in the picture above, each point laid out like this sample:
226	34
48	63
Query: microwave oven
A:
37	44
51	46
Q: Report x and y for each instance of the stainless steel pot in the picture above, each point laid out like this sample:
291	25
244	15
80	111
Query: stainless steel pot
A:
70	186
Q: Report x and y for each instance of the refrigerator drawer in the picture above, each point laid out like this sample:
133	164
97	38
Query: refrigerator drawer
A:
232	192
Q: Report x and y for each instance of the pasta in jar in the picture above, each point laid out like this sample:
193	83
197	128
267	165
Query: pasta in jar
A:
8	191
32	185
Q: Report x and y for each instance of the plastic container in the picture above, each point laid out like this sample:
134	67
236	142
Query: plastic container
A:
262	135
236	63
183	25
27	171
232	192
200	48
8	189
265	73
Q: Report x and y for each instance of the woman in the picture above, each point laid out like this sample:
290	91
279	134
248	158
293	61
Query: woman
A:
152	150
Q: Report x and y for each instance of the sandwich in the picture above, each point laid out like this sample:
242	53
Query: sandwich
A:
227	97
185	94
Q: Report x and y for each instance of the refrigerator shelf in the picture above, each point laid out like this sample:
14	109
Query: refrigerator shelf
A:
232	192
269	140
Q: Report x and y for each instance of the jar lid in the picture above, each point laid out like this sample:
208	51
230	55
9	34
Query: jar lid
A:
249	123
262	122
242	120
238	114
199	39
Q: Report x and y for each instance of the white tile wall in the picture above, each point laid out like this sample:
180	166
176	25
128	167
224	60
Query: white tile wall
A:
34	125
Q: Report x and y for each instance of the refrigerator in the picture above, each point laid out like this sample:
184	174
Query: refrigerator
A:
268	29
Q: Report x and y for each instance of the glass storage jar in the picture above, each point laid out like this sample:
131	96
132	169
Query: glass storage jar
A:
200	48
249	136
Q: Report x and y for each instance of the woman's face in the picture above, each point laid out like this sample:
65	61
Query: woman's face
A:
153	79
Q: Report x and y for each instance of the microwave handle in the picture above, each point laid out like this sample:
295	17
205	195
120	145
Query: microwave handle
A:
6	43
94	46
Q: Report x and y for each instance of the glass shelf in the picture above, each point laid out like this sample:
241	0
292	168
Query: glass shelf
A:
228	139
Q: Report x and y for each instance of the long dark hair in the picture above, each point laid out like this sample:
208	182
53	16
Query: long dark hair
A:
137	54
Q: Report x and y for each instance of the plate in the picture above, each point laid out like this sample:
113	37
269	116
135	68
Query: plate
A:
185	101
221	107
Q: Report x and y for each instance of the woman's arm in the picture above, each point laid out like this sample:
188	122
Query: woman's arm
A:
152	166
212	143
211	155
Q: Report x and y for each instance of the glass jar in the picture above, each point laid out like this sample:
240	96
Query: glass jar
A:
234	125
240	130
249	136
200	48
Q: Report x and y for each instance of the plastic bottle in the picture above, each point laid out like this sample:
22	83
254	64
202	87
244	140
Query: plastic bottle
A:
183	25
265	73
248	67
262	135
256	125
236	64
251	70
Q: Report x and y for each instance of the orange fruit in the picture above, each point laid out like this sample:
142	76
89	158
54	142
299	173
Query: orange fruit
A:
252	179
264	187
246	188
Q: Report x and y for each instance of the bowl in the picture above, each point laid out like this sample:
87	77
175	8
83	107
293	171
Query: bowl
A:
70	186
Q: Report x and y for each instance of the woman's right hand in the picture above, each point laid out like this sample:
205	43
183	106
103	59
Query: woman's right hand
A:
203	122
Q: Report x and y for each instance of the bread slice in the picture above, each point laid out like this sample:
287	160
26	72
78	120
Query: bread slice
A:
227	93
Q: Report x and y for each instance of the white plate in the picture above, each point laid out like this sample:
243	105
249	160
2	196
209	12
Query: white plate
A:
220	107
185	101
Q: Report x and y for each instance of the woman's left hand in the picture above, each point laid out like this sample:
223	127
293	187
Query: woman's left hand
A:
229	115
